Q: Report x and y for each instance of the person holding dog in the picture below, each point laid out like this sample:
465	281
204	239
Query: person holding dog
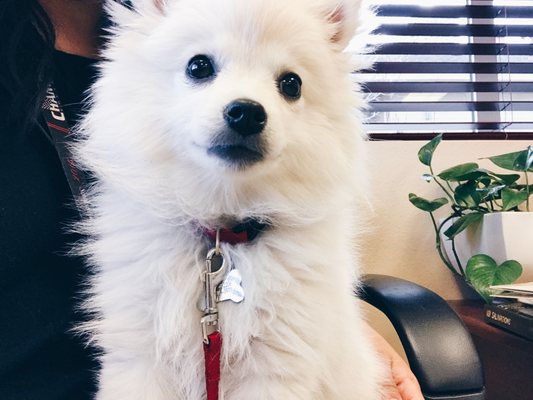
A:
40	357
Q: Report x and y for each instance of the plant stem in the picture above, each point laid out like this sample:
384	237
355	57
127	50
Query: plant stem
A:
438	245
441	186
527	190
453	244
449	186
457	258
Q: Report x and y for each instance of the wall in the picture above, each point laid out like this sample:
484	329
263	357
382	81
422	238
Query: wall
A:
400	239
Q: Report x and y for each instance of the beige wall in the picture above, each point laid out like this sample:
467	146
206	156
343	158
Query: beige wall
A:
400	240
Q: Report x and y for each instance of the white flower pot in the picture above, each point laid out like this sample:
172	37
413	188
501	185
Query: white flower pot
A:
503	236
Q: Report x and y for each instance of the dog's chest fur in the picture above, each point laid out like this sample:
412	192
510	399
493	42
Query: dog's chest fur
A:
294	315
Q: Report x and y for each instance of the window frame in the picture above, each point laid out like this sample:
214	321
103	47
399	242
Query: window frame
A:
484	130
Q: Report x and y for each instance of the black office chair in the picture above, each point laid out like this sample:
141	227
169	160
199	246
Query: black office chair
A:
440	351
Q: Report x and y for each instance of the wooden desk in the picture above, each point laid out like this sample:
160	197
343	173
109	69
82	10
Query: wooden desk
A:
507	359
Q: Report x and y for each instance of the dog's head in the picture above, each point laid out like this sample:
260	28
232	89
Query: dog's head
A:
226	106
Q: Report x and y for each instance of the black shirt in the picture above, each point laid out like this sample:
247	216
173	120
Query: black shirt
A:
40	358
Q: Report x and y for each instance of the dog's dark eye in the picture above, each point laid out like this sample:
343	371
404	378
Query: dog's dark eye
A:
200	67
290	85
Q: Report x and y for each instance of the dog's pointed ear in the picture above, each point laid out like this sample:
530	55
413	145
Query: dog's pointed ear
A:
124	11
344	18
149	6
120	12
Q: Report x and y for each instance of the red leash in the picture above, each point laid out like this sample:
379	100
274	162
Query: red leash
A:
212	352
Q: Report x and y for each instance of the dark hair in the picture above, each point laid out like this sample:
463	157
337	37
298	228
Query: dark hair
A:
26	55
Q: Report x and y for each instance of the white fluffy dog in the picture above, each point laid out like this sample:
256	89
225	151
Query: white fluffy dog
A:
209	114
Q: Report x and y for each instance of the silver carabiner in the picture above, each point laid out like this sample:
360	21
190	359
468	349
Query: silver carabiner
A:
215	269
216	266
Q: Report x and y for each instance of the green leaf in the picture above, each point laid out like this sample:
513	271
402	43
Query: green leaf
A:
485	180
524	187
427	205
482	271
515	161
490	192
524	160
506	179
467	195
425	154
512	198
462	172
462	223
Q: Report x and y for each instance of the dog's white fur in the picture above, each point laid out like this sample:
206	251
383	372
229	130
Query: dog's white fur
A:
299	333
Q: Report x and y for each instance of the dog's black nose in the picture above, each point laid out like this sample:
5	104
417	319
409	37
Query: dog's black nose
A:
245	116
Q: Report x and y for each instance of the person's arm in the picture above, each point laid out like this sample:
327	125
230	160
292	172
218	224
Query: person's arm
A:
402	384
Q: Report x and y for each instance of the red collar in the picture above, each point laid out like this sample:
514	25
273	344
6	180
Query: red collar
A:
244	232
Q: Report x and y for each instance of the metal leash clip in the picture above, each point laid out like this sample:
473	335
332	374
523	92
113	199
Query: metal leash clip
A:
212	276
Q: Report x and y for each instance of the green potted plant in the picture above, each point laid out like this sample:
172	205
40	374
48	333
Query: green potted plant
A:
482	205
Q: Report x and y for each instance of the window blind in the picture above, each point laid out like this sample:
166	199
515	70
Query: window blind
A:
463	67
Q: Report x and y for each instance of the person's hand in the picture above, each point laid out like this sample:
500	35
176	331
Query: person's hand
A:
402	384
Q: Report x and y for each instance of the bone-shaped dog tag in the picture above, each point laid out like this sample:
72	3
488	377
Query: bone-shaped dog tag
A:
231	288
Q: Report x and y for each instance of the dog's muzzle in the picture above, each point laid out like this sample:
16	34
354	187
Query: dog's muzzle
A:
241	143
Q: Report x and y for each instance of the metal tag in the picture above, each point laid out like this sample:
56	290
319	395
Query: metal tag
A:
231	288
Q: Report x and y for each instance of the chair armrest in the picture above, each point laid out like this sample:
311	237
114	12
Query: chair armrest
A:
439	348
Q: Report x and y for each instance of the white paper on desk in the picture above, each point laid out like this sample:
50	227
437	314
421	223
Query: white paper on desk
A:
525	288
522	299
